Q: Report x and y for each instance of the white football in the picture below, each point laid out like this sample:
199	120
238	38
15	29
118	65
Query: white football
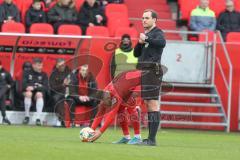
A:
86	133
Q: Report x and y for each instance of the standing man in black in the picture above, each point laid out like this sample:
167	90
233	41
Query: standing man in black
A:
6	82
149	50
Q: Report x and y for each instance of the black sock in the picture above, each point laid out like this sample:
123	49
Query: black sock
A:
153	121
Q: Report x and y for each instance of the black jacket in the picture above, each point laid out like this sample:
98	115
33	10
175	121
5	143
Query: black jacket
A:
229	22
56	80
91	84
62	14
87	14
115	1
152	50
32	78
7	10
5	78
35	16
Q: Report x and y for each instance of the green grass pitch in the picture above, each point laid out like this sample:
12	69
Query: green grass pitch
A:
44	143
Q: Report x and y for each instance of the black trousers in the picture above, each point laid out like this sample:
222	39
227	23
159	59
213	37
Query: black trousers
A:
74	101
3	91
58	105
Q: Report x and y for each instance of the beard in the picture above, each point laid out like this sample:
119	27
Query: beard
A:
126	47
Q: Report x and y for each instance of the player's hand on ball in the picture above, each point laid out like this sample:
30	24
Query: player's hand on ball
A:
97	134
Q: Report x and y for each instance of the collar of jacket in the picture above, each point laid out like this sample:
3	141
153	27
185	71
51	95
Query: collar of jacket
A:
154	28
226	11
206	9
85	4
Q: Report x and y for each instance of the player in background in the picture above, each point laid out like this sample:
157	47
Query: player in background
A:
124	60
35	87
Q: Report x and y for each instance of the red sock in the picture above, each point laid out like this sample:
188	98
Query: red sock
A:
134	118
123	120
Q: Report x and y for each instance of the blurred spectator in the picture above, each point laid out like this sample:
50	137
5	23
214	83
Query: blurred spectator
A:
123	58
86	86
58	81
35	87
229	20
91	14
202	17
9	12
35	14
62	13
6	83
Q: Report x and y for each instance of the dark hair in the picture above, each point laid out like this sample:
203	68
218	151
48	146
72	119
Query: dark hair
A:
58	60
126	36
26	64
35	1
154	13
37	60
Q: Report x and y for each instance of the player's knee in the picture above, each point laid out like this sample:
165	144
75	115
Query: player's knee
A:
153	105
39	95
28	94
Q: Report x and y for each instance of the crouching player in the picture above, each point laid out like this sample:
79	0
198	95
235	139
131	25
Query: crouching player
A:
118	92
128	113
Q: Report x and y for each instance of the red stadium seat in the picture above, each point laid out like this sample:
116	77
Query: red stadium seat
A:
217	6
18	3
116	8
78	4
233	37
116	20
68	29
41	28
186	7
126	30
97	31
143	2
13	27
209	37
237	5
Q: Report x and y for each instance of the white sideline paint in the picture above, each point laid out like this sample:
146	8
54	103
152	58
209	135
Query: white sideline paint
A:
48	119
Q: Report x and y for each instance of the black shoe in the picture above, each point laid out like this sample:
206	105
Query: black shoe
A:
38	122
6	121
63	124
73	125
26	120
147	142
